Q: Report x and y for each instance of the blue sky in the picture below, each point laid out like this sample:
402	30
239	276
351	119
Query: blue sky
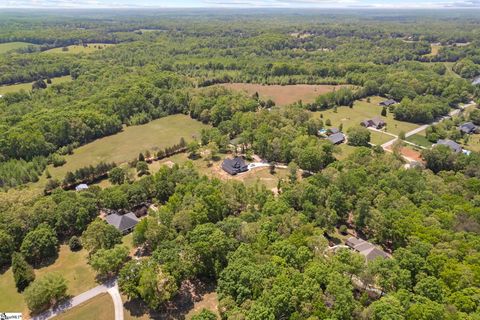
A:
423	4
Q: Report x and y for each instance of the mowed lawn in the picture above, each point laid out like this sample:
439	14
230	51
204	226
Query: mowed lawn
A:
126	145
89	48
362	110
28	86
99	307
283	95
71	265
9	46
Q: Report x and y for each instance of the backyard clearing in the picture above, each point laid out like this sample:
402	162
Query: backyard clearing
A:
126	145
9	46
99	307
87	48
283	95
28	86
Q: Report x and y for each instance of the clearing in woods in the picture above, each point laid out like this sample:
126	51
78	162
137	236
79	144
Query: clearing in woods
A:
9	46
362	109
87	48
283	95
127	144
28	86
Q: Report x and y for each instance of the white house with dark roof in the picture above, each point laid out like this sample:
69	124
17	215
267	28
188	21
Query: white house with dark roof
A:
123	222
366	249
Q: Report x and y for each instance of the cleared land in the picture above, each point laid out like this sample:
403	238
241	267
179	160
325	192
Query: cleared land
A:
283	95
71	265
9	46
126	145
362	110
260	175
89	48
99	307
28	86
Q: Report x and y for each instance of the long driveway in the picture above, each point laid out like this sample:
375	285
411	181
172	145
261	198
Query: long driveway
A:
110	286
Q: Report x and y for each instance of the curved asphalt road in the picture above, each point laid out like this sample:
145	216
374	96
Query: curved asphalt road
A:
110	286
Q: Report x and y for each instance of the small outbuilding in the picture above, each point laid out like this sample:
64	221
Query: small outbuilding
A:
81	187
387	103
123	222
376	123
455	147
234	166
336	138
468	128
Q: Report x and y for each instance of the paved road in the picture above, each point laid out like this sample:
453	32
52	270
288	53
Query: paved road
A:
110	286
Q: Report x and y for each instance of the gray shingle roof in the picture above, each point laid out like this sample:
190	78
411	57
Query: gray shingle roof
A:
234	166
365	248
388	102
468	127
336	138
122	222
451	144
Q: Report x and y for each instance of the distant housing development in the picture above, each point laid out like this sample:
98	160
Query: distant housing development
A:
367	249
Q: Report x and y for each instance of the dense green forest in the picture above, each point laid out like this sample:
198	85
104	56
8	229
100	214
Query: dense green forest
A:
265	253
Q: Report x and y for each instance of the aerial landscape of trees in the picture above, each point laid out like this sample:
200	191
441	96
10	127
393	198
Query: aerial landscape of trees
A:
266	252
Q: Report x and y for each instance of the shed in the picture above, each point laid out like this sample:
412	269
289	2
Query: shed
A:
82	186
123	222
388	103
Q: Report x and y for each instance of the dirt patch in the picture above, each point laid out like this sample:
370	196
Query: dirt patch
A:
410	154
284	95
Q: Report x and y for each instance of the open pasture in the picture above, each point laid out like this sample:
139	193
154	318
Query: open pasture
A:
28	86
9	46
74	49
126	145
283	95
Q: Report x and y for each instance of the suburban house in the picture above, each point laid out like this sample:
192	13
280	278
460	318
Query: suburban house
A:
376	122
81	187
336	138
451	144
468	128
366	249
123	222
387	103
234	166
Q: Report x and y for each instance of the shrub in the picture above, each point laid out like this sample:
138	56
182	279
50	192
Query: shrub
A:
74	243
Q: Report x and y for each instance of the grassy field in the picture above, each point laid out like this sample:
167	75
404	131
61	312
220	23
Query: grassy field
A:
420	139
283	95
473	143
126	145
9	46
28	86
365	110
71	265
99	307
89	48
